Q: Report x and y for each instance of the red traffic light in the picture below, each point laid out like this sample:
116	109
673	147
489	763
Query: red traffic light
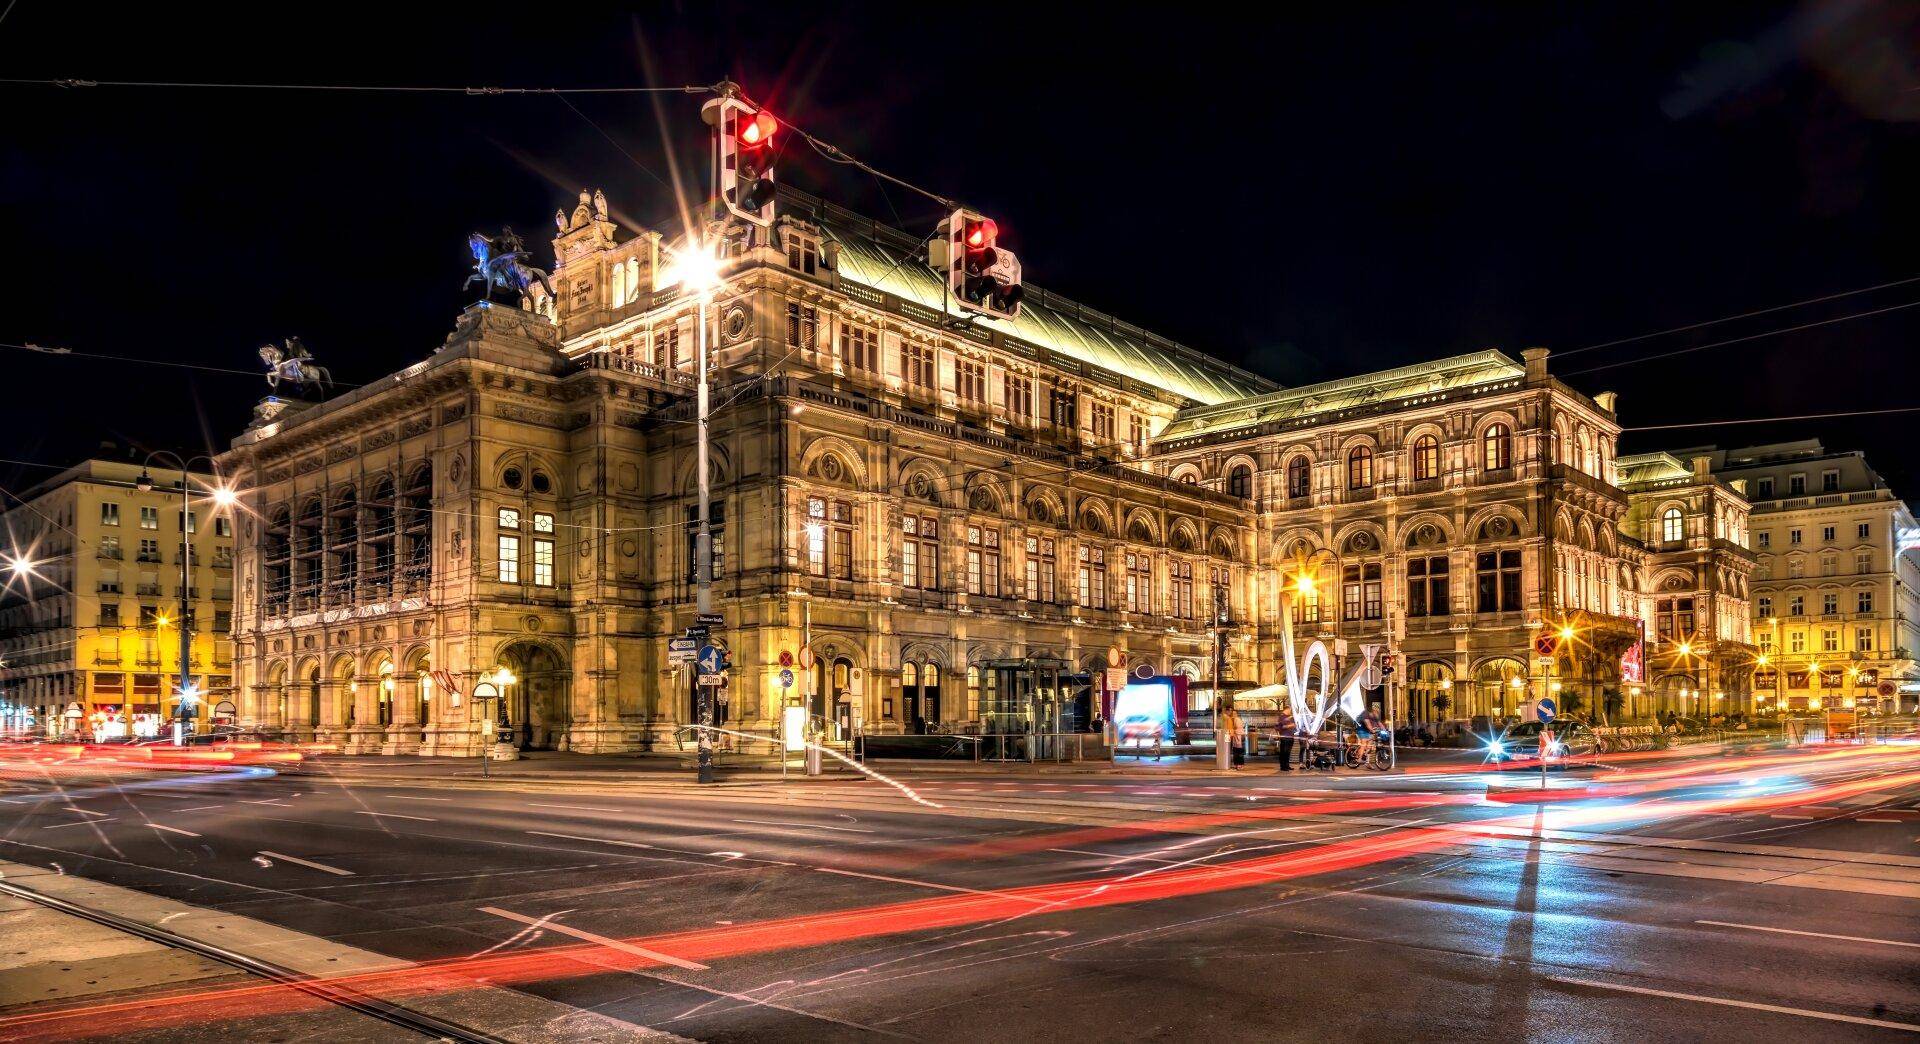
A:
981	234
758	129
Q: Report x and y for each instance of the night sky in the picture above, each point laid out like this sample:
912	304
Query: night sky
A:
1311	195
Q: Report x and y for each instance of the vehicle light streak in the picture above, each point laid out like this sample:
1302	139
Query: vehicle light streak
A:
706	945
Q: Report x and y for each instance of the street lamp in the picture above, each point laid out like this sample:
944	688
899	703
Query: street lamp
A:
222	496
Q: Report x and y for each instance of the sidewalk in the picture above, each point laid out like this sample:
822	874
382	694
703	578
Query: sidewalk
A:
676	769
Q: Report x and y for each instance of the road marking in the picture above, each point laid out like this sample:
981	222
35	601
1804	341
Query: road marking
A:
1877	819
265	801
578	808
1111	855
611	944
1816	935
1831	1016
929	884
172	830
395	815
804	826
78	822
409	797
307	863
200	808
84	812
601	840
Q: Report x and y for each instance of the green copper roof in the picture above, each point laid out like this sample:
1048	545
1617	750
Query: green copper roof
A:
1406	382
1650	467
889	261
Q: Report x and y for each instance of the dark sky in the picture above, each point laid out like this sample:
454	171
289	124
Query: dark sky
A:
1311	193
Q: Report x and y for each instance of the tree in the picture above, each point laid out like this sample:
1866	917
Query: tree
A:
1441	702
1612	702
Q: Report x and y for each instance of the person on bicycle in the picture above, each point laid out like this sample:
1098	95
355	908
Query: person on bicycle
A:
1371	731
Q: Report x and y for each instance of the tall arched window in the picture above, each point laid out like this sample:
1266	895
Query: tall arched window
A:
1672	526
1426	458
1360	467
1299	477
1497	447
1240	481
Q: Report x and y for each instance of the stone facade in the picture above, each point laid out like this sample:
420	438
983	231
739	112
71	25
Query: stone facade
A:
941	524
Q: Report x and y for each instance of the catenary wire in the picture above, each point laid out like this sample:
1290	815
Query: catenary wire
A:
1742	315
1741	340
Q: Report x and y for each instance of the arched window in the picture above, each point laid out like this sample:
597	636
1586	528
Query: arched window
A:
1240	481
1672	526
1426	458
1360	467
1497	447
1299	477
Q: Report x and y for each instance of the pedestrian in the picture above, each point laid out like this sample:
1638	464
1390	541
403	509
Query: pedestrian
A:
1286	726
1232	731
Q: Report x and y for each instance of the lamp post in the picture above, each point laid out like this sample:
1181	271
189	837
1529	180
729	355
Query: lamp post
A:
222	497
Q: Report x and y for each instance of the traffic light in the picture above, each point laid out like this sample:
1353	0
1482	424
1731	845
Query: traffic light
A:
746	160
982	275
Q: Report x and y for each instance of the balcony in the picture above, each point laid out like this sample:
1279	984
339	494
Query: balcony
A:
105	587
109	553
147	590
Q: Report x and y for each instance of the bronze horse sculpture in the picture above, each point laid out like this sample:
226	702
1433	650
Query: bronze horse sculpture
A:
500	263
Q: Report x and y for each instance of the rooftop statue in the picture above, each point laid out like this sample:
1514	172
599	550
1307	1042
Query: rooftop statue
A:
294	365
500	264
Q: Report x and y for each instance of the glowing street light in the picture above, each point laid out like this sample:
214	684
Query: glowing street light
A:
225	497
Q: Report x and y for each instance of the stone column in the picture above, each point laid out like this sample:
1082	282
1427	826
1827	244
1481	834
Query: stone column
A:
403	736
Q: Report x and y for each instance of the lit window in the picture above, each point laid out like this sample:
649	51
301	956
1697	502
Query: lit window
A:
1426	458
1497	446
509	559
1360	467
509	518
109	514
543	563
149	518
1672	526
543	523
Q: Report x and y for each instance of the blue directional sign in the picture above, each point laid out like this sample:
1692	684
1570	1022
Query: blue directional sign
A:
786	679
1547	708
712	659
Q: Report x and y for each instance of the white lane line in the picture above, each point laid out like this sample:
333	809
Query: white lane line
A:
200	808
1831	1016
804	826
611	944
307	863
172	830
394	815
1115	856
84	812
1876	819
1815	935
930	884
265	801
79	822
409	797
600	840
578	808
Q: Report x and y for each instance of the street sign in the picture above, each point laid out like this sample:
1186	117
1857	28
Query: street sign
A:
1547	708
786	658
711	660
711	679
697	632
709	620
806	659
682	650
786	678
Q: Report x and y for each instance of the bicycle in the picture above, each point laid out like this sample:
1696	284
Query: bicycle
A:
1369	752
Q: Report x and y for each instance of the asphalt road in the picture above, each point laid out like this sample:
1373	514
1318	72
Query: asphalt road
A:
1714	898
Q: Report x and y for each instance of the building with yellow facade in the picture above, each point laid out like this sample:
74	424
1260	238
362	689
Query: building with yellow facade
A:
90	621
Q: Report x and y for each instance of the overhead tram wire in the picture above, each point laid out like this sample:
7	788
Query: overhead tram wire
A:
204	368
1741	340
347	87
1743	315
1773	420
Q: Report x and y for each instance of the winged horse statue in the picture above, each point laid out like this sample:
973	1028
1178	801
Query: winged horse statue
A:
294	365
500	263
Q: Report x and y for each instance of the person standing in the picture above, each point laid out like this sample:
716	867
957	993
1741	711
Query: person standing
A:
1231	732
1283	732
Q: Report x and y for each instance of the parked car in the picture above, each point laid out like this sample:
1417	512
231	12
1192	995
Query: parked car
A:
1573	744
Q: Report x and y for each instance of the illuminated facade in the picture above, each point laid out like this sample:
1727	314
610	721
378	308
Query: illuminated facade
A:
1700	657
953	523
922	523
95	623
1460	513
1836	592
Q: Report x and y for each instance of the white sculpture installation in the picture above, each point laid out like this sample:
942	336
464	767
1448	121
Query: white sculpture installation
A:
1347	692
